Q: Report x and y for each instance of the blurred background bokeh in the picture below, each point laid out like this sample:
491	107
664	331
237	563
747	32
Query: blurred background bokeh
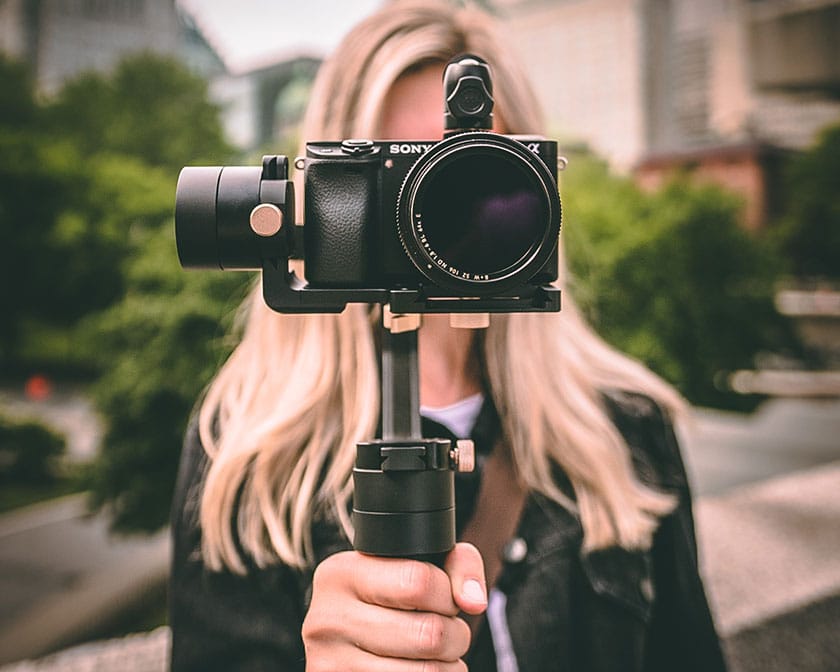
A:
701	224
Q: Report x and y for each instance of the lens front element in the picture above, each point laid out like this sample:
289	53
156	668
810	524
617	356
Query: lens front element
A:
479	212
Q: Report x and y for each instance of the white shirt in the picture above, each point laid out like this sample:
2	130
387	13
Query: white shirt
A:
459	418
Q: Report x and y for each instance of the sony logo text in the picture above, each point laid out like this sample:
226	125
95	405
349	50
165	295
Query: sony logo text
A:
407	148
422	148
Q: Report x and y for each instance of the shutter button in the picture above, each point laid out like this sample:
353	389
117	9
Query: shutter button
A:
515	551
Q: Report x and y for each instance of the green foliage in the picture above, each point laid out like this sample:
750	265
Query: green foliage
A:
163	342
80	176
35	180
89	269
55	262
670	278
28	452
151	108
159	343
18	106
809	231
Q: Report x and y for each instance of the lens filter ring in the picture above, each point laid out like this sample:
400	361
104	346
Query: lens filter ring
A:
479	214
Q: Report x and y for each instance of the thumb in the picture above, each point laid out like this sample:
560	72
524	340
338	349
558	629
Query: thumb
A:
466	574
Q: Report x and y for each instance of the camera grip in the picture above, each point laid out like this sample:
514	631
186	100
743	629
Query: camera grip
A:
341	198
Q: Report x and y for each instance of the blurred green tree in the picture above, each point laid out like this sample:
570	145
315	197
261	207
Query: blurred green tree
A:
159	343
89	270
18	106
81	175
808	233
671	278
150	108
57	262
163	342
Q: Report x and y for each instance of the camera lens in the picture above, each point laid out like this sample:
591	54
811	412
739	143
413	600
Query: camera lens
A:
479	211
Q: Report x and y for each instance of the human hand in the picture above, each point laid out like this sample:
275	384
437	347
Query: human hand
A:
375	614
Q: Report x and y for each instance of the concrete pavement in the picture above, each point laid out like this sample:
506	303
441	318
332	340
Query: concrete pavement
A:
63	576
784	532
784	435
142	652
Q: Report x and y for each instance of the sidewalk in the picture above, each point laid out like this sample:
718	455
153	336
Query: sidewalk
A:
725	450
63	576
770	554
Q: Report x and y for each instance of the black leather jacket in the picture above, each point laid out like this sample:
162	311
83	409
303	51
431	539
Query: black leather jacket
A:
565	610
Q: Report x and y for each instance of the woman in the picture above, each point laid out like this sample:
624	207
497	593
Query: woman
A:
577	549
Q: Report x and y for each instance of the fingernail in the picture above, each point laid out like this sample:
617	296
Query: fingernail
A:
474	591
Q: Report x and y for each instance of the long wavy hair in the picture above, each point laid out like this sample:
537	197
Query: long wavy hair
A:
281	420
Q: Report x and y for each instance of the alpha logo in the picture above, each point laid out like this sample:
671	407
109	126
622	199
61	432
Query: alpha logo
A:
410	148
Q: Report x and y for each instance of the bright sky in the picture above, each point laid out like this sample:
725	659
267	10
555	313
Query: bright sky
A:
249	33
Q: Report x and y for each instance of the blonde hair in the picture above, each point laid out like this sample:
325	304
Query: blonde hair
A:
281	420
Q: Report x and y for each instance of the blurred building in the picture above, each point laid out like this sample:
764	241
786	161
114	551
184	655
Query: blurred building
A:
641	77
60	39
722	88
259	105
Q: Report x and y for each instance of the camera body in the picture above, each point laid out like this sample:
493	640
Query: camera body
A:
467	223
367	213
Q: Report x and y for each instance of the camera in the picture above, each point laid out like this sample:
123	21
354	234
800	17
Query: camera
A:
469	223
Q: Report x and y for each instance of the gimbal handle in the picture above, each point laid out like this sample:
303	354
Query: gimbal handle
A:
404	484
